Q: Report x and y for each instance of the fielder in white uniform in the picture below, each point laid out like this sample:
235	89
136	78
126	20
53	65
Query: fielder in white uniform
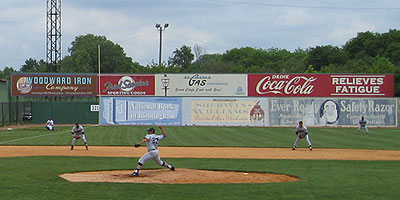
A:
50	124
363	124
152	140
302	132
78	132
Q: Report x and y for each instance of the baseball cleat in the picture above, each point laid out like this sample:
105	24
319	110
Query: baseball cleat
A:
293	149
172	168
135	173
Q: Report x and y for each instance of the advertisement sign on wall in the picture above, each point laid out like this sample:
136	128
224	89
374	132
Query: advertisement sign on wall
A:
243	111
126	85
225	111
320	85
332	112
201	85
48	84
140	111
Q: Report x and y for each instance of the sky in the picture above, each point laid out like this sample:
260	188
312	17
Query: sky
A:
215	25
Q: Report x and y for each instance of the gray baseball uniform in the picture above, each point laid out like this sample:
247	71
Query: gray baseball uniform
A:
152	145
302	132
363	124
78	131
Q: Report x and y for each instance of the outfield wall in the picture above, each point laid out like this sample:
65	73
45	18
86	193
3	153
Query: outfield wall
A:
247	111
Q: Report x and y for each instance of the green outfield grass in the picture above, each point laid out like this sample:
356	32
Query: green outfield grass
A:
379	138
37	177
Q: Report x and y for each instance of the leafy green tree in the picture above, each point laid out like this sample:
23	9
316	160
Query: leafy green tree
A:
366	44
209	63
320	56
6	73
84	56
182	58
295	63
310	70
382	65
391	40
32	65
250	60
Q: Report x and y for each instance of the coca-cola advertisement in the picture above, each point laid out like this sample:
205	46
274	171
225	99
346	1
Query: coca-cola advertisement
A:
126	85
321	85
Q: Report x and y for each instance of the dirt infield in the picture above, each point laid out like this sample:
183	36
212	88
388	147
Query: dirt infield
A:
183	176
204	152
180	176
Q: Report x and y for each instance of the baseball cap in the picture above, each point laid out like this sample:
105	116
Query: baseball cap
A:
151	130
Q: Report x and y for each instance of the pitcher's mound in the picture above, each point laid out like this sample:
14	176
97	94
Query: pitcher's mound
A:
180	176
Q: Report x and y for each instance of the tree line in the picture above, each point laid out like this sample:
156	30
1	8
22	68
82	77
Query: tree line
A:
368	52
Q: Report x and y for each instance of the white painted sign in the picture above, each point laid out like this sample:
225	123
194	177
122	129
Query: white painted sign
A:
94	108
201	85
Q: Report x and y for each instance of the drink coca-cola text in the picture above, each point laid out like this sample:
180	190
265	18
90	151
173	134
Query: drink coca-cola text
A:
297	85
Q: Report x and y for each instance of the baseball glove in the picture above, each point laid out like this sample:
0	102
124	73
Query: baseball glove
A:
137	145
77	137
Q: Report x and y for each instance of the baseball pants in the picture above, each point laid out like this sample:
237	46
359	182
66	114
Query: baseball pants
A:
83	138
153	155
298	140
359	128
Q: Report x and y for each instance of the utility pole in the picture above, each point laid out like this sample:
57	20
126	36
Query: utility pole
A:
161	29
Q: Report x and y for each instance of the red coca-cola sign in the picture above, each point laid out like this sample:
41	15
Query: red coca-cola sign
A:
127	85
321	85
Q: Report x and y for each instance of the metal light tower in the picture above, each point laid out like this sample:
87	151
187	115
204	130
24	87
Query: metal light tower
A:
53	33
161	29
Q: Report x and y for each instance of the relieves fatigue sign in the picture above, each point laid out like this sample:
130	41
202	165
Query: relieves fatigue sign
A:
321	85
201	85
126	85
43	84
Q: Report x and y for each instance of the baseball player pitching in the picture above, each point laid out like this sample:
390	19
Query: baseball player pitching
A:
152	140
78	132
363	124
301	132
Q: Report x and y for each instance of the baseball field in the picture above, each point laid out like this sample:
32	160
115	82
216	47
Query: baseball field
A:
343	165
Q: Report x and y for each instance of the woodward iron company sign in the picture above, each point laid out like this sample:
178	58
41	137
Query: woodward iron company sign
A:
321	85
43	84
127	85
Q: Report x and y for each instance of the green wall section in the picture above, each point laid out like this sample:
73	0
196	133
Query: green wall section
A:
4	91
64	112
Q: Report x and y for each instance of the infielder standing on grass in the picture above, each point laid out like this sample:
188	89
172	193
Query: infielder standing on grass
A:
78	132
152	140
363	124
302	132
